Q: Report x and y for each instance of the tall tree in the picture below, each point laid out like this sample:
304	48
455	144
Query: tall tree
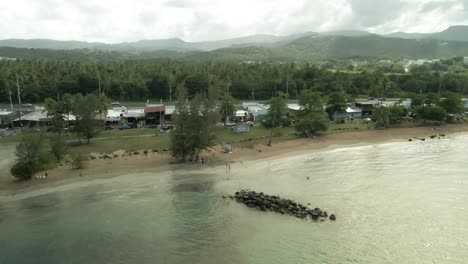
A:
311	117
86	110
180	137
275	113
336	103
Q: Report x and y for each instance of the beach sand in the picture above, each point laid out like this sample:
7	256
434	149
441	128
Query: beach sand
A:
242	152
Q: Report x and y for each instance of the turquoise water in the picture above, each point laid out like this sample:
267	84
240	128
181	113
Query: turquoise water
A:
395	203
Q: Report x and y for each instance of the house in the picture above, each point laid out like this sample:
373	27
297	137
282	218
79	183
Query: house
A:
6	117
294	107
37	118
350	112
154	114
242	115
118	116
169	114
465	104
367	107
258	111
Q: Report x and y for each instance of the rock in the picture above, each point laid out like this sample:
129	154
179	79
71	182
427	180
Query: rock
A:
333	217
308	178
409	139
224	197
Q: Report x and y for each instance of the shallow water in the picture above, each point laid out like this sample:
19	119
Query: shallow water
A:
7	158
395	203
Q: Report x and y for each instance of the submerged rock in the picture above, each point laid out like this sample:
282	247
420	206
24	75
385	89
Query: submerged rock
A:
332	217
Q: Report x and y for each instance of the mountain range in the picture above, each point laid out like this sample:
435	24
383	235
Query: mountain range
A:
307	46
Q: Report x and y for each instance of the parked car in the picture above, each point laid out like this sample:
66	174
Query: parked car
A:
167	127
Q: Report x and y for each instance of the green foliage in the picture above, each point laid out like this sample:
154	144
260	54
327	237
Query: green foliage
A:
58	146
194	123
435	113
396	113
452	103
55	111
416	99
336	103
86	108
32	154
78	162
311	123
432	99
381	117
22	171
311	118
277	110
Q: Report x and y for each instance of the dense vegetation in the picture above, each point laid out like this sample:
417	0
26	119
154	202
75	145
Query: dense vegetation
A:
140	80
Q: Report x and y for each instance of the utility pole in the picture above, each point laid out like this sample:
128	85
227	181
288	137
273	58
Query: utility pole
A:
99	83
18	87
19	102
11	101
170	92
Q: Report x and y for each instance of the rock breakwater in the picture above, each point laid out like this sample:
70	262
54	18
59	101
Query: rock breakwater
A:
274	203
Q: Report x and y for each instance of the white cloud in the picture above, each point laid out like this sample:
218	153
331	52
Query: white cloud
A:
197	20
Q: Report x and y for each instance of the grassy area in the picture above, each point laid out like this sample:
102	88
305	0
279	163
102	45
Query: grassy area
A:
120	140
347	127
128	144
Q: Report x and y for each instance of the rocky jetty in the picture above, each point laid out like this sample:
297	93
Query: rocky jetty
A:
273	203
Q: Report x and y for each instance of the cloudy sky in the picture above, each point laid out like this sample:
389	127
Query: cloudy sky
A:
196	20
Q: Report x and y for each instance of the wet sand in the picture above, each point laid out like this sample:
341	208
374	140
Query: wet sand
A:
242	153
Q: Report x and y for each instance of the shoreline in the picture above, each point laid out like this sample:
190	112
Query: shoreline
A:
245	154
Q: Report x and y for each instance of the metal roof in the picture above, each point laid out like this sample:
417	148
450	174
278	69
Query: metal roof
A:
155	109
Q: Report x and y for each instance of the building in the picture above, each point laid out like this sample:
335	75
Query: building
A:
349	113
37	118
154	114
6	117
120	116
465	60
294	107
367	107
256	110
169	114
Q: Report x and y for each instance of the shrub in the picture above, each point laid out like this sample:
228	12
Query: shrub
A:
78	162
22	171
58	147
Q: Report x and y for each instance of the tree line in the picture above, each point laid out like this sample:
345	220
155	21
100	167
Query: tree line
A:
140	80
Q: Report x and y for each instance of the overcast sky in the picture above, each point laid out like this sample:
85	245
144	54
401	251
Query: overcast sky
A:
196	20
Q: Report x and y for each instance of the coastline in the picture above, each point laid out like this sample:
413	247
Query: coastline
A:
245	153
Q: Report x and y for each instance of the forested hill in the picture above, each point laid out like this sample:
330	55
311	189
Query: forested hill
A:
308	48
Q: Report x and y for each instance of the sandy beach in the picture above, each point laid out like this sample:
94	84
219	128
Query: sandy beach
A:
242	153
